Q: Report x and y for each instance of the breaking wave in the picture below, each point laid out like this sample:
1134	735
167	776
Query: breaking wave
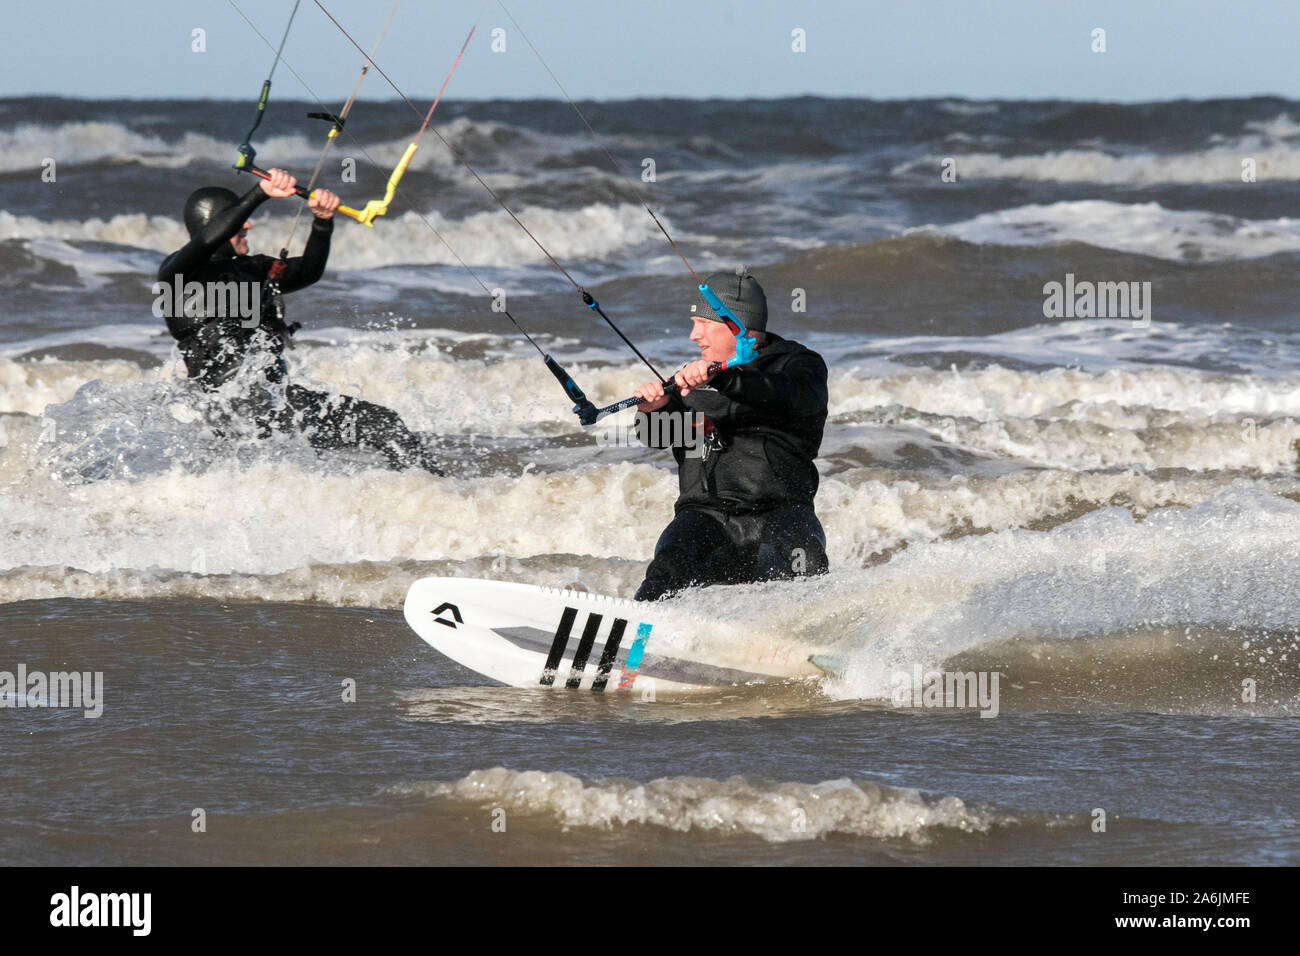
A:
775	812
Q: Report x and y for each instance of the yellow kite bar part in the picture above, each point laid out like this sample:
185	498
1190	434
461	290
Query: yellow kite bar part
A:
360	215
378	207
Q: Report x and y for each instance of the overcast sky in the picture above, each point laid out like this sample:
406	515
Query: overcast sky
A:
1156	49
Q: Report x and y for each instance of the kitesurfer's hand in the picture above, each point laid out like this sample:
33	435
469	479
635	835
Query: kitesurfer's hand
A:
280	185
692	375
652	395
323	203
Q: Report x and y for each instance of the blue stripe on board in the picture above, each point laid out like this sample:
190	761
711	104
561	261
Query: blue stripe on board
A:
638	647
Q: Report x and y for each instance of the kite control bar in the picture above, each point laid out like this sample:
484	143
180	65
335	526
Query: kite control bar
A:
746	349
348	211
669	384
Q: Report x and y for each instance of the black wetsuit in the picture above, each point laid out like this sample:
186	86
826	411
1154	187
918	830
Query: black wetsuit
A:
215	347
745	508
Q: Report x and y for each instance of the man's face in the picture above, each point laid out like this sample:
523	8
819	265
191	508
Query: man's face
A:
714	339
240	240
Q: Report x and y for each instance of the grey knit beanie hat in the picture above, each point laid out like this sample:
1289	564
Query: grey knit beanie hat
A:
741	293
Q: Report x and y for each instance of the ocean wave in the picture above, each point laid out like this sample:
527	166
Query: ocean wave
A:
775	812
482	239
1223	566
422	371
913	457
1216	164
995	392
370	515
1143	228
28	145
372	584
1148	439
363	518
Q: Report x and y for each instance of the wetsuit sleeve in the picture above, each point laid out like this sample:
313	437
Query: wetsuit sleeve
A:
798	388
211	237
301	271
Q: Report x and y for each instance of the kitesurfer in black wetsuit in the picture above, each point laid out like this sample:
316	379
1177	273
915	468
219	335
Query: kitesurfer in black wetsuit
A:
746	474
218	347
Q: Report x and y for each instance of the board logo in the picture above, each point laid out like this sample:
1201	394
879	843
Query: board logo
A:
585	644
455	613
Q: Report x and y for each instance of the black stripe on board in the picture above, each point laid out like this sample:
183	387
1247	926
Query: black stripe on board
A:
584	651
558	645
610	652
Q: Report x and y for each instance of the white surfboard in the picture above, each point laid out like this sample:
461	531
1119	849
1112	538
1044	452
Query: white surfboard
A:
528	636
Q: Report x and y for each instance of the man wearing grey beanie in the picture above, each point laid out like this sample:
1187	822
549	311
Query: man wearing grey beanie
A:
746	473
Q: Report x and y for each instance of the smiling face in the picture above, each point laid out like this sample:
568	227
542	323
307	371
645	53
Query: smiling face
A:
714	339
240	240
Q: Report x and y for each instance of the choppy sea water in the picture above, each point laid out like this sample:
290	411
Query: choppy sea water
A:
1104	512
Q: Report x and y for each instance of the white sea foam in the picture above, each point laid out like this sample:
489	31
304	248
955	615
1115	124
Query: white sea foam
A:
27	145
1268	144
1069	418
776	812
1159	416
159	233
1144	228
1227	562
609	510
968	107
482	239
994	392
1098	345
1057	443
